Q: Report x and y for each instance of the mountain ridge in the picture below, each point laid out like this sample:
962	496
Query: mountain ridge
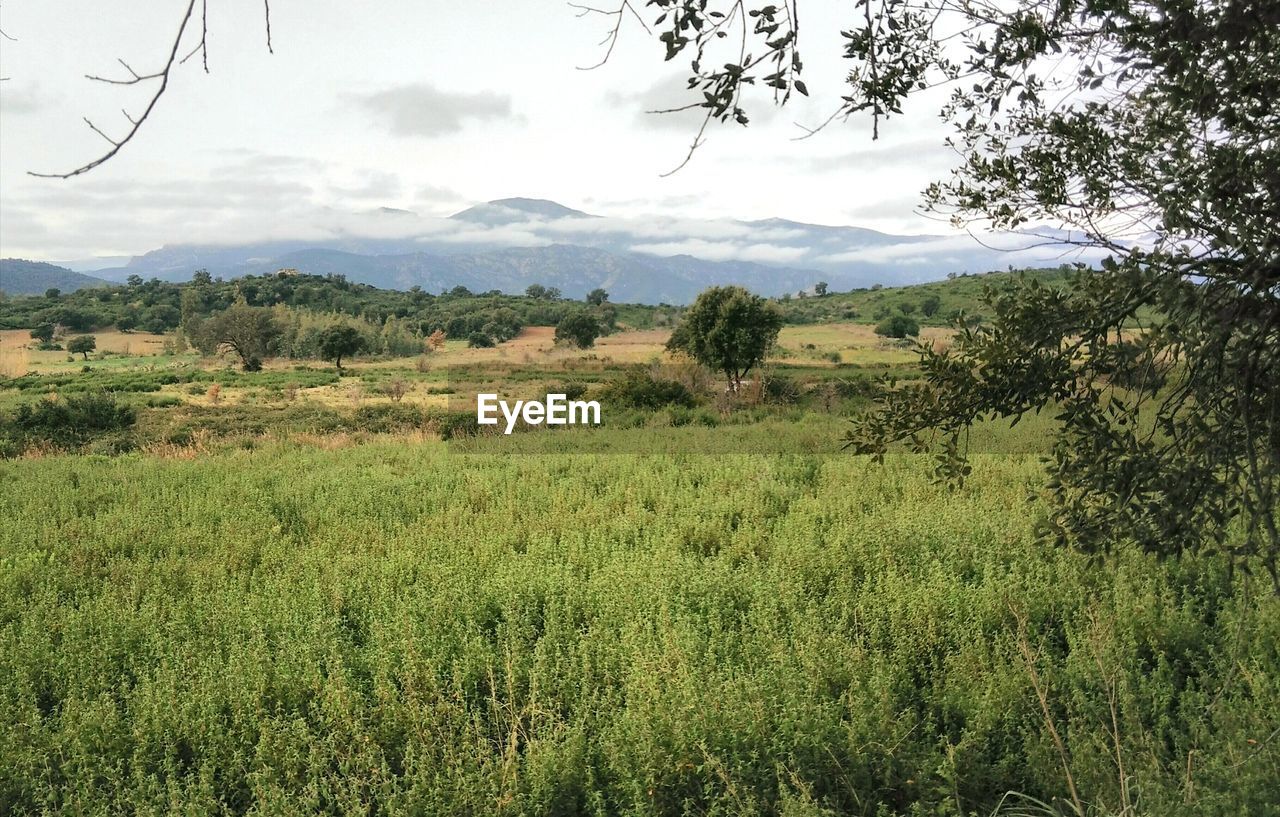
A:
508	243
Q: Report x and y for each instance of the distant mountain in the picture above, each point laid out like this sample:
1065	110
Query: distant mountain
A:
507	244
21	277
507	211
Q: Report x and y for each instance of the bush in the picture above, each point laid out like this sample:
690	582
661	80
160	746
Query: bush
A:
458	424
386	418
479	340
67	422
781	389
639	389
898	326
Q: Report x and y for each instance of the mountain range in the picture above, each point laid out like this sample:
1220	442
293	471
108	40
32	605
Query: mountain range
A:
509	244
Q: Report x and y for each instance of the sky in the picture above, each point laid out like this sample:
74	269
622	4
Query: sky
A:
427	107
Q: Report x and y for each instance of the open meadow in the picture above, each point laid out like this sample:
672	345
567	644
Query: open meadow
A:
398	628
308	591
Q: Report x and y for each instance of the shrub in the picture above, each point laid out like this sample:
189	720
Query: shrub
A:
639	389
385	418
67	422
781	389
456	424
898	326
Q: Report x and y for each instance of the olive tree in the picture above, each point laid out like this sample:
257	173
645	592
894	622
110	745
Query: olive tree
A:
251	332
729	330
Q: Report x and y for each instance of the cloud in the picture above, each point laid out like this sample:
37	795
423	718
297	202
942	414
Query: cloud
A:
723	251
375	184
930	153
420	110
17	99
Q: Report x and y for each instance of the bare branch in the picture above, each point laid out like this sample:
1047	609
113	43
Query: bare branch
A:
612	37
266	5
162	75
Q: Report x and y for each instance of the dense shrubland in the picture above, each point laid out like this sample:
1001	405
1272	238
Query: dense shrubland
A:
399	629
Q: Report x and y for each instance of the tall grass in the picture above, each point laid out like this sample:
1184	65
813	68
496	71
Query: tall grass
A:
396	629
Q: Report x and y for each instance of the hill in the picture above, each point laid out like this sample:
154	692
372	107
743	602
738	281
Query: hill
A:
21	277
932	304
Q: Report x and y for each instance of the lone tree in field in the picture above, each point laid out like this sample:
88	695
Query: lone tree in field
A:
251	332
339	341
820	289
579	328
597	297
43	333
729	330
82	345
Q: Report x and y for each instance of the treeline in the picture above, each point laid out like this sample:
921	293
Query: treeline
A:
392	321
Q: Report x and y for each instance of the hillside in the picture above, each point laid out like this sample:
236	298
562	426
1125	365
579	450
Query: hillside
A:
931	304
21	277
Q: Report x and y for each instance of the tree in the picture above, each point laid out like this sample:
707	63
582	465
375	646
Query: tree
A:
930	305
479	340
898	326
249	331
53	293
128	320
43	332
579	328
537	291
436	340
597	297
820	289
339	341
1145	130
728	329
82	345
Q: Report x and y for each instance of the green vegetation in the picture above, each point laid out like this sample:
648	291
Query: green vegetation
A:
728	330
82	345
938	303
579	328
339	341
898	326
391	627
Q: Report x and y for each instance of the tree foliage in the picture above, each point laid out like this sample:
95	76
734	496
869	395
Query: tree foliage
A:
82	345
1144	129
578	329
728	329
898	326
339	341
251	332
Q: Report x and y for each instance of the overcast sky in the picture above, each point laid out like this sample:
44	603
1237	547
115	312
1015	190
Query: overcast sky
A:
424	106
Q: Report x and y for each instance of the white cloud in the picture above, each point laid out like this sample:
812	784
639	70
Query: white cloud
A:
419	109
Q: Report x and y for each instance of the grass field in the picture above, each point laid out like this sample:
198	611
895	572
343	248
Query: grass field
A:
397	629
281	593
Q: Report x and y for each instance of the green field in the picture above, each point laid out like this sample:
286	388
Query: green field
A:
400	628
